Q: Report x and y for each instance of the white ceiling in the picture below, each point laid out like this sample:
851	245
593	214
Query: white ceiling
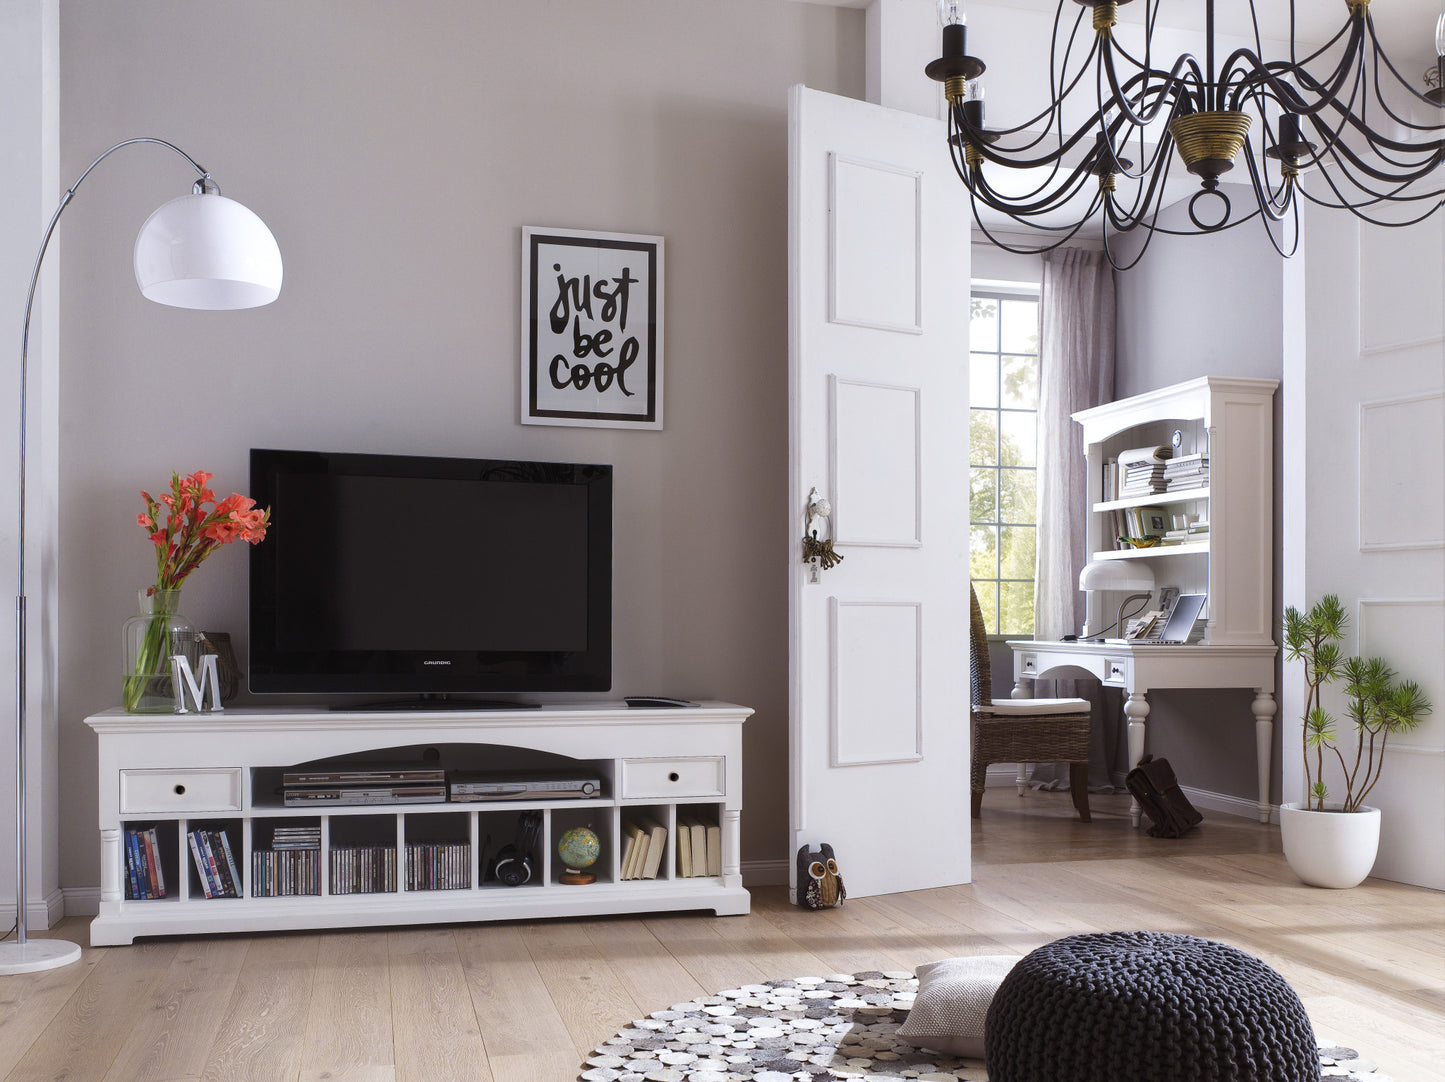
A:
1406	28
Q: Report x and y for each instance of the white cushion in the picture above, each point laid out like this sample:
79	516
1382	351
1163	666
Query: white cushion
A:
1024	707
952	1004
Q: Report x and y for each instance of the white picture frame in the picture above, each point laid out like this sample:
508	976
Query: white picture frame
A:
592	328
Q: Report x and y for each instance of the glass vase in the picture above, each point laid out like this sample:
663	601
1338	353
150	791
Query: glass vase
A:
150	638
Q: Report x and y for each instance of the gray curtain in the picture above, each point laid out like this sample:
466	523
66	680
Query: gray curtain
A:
1076	371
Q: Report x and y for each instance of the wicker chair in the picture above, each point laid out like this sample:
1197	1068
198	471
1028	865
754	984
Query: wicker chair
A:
1023	730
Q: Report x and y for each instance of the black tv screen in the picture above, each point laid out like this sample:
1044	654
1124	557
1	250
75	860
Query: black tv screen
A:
423	576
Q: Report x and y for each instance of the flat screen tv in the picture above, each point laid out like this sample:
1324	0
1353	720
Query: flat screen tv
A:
430	577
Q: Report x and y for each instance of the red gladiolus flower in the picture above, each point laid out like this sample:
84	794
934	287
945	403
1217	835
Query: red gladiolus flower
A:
196	524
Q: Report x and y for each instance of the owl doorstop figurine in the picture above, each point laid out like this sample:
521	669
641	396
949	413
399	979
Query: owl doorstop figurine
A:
819	884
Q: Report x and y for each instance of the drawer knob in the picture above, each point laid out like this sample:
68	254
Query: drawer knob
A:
672	776
180	790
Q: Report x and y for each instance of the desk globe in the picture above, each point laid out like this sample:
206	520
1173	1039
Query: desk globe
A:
579	849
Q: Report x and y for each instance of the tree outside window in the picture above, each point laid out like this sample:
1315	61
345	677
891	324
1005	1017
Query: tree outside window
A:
1003	406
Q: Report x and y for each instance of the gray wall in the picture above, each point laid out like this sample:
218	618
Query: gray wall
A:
396	150
1206	306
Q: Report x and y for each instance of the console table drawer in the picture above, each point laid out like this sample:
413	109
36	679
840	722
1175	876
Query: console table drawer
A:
667	779
160	791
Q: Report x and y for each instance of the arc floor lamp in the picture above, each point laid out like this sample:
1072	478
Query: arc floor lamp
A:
197	251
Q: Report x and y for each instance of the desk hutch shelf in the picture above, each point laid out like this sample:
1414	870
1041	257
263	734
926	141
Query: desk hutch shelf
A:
1232	421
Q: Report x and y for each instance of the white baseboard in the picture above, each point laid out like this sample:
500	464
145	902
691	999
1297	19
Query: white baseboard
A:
82	901
765	873
1229	805
1001	776
40	913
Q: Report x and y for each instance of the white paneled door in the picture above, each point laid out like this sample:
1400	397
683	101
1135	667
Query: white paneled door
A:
1365	455
878	428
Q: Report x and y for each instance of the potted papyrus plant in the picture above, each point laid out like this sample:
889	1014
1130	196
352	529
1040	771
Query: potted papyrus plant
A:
1327	843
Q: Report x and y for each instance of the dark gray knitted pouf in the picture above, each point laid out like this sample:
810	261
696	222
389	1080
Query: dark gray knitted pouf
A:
1147	1007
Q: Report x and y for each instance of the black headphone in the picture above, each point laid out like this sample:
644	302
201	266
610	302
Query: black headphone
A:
514	862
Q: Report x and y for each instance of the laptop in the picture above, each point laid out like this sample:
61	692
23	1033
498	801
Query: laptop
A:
1181	619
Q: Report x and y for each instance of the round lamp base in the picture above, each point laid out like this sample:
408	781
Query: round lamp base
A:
37	954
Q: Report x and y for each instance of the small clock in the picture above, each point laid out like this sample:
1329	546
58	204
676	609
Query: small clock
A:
1177	439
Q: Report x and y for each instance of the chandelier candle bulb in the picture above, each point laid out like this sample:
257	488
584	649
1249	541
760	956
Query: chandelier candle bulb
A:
1437	91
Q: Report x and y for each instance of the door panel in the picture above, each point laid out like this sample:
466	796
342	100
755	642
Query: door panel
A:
878	425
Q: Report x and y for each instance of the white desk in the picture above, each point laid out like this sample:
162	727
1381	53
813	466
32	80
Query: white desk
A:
1139	667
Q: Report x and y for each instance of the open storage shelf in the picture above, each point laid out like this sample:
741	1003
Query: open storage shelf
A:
406	863
1231	422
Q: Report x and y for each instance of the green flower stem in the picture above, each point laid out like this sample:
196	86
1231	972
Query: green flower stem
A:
151	661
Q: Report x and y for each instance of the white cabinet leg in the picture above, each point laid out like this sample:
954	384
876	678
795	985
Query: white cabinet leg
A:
1022	781
1136	710
110	862
1264	707
732	868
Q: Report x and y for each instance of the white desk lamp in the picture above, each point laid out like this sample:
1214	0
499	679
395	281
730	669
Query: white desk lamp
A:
198	251
1132	575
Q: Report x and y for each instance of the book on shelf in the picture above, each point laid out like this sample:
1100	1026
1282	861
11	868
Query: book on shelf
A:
714	849
215	865
656	847
1187	462
684	846
632	848
145	877
691	846
697	842
209	886
232	871
699	846
1153	455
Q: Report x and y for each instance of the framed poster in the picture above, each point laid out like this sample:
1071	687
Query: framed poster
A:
591	329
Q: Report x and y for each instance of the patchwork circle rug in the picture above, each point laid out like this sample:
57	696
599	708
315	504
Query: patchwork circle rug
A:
810	1030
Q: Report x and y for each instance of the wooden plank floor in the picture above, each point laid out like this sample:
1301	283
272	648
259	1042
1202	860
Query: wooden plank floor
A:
525	1002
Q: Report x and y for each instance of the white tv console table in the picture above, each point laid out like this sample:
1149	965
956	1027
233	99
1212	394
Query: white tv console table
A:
221	771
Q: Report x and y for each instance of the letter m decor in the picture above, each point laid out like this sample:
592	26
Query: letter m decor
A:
591	329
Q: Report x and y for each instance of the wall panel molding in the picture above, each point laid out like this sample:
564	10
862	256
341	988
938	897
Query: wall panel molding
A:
1402	473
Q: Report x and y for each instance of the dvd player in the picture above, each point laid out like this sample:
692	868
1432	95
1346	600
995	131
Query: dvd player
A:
464	787
387	794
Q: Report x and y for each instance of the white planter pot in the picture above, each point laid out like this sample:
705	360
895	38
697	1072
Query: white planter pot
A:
1330	848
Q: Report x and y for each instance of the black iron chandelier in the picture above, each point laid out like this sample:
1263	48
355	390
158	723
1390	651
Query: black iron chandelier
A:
1344	115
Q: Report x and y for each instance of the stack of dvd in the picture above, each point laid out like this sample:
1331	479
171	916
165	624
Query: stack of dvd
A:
291	866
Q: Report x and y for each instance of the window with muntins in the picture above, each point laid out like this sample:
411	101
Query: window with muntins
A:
1003	452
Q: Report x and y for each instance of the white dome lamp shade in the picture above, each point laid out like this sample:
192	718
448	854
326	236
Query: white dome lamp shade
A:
1117	575
206	251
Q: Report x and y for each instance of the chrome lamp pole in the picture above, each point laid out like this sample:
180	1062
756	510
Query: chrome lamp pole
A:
197	251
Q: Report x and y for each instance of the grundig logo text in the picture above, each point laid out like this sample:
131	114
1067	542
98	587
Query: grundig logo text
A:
436	662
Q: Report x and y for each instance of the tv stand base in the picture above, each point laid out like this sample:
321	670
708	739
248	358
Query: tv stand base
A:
166	777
